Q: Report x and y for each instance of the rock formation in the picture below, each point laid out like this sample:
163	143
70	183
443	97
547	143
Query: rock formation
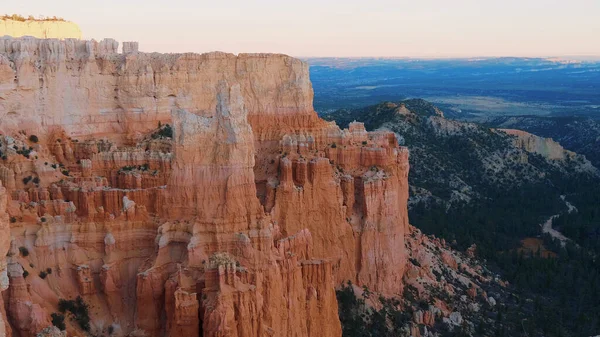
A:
45	29
551	150
540	145
186	194
445	292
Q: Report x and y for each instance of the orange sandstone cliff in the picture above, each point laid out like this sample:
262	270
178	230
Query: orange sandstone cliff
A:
186	194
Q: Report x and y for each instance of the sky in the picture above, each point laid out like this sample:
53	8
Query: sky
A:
350	28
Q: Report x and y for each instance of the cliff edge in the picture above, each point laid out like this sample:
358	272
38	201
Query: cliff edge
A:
187	194
45	29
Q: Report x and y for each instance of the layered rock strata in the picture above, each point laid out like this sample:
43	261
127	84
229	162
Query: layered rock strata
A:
186	194
540	145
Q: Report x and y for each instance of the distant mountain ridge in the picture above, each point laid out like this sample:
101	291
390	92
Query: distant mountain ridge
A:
463	88
353	62
455	161
578	134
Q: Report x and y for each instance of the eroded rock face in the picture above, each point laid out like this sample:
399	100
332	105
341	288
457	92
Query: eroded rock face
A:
188	194
543	146
4	237
88	89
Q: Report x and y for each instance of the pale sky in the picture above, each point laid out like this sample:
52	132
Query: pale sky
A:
389	28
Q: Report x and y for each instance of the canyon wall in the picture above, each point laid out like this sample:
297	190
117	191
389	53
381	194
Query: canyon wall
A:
44	29
186	194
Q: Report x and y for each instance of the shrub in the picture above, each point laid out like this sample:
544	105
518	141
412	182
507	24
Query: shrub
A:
366	292
49	270
17	17
13	219
333	146
34	139
79	309
24	251
36	180
364	142
58	320
25	151
43	274
65	305
27	179
43	219
65	172
165	131
25	273
414	262
360	321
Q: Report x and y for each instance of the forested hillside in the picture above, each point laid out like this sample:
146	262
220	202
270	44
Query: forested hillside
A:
471	184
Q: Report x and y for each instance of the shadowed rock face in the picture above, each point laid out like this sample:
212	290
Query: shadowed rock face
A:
239	218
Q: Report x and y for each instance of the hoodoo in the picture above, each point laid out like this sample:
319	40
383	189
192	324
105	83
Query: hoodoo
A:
186	194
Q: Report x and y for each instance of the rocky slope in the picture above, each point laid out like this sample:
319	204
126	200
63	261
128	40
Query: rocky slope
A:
455	162
546	147
446	293
578	134
186	194
47	29
512	194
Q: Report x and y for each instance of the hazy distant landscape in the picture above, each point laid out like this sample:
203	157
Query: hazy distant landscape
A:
463	88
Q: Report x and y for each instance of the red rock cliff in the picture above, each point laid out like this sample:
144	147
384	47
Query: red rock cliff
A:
239	218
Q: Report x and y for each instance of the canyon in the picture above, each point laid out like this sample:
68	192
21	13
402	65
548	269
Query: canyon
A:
186	194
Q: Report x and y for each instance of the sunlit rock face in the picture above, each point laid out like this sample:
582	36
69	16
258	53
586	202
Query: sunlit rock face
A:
46	29
186	194
543	146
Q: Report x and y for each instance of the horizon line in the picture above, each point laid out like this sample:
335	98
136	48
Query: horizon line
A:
455	57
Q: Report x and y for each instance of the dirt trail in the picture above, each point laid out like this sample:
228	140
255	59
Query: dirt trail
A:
547	226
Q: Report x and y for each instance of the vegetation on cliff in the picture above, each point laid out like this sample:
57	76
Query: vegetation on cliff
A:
78	309
471	185
359	320
17	17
